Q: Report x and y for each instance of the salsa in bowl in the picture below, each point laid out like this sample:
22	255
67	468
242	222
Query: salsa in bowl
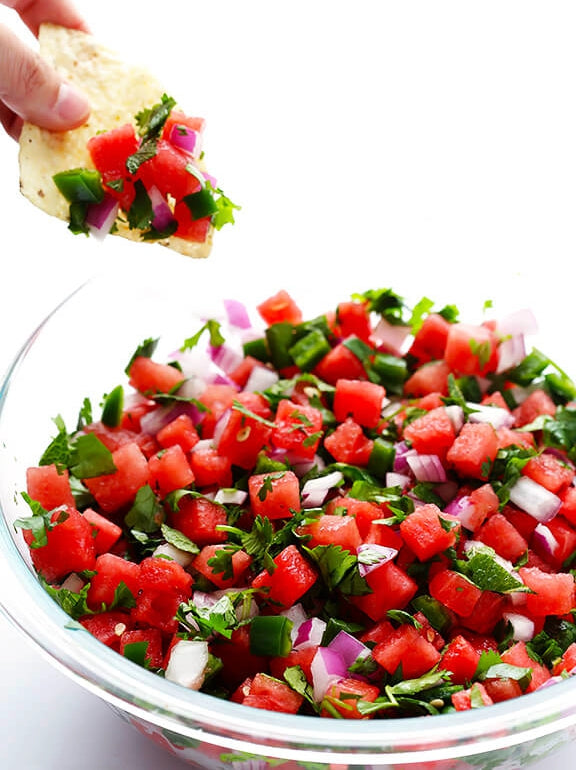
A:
362	514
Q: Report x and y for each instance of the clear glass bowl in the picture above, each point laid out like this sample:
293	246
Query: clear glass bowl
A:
80	350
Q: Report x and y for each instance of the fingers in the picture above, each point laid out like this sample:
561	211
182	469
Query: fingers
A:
34	91
11	122
34	12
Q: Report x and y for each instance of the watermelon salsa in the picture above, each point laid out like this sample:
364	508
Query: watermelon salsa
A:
367	514
150	176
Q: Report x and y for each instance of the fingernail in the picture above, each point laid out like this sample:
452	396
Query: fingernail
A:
71	106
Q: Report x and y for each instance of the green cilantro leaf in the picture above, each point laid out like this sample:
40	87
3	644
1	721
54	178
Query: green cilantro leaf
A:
150	122
145	350
385	302
419	312
40	523
123	597
178	539
265	488
213	328
204	622
482	351
58	451
484	571
225	209
74	604
89	457
339	569
141	213
296	678
137	652
221	563
146	513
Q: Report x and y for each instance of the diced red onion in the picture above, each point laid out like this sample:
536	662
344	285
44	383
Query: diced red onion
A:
463	508
225	356
167	550
522	627
202	599
220	426
314	491
158	418
186	139
163	216
296	460
230	496
297	615
101	216
535	499
390	336
348	647
402	452
496	416
371	556
73	583
237	314
384	406
327	668
192	387
202	445
394	479
456	416
511	352
219	378
426	467
187	663
260	379
310	633
519	322
212	179
302	467
543	537
391	410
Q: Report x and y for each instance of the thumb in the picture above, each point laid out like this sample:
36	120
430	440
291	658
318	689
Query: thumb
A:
34	90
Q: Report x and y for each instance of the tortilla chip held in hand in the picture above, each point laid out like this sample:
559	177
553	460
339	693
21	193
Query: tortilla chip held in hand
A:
135	168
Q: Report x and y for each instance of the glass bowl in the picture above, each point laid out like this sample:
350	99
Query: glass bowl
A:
80	350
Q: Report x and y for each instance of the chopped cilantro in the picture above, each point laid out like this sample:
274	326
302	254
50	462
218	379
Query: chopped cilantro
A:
146	514
419	312
178	539
40	523
221	563
203	622
213	328
339	569
150	122
89	457
141	213
145	350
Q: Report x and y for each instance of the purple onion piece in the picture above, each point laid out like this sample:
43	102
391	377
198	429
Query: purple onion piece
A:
237	314
426	467
101	216
371	556
327	668
185	138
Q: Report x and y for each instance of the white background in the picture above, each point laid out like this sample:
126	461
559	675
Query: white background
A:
427	146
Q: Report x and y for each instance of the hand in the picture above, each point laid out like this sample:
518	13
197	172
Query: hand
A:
30	90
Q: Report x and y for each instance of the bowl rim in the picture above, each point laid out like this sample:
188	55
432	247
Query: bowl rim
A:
146	696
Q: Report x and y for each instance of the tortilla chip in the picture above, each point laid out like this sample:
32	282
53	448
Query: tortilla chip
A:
117	91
